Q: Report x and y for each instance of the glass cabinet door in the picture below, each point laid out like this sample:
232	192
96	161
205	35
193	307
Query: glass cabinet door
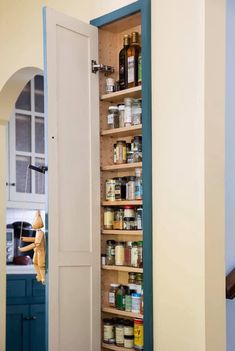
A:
27	145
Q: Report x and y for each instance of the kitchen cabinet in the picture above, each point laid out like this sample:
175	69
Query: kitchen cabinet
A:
77	110
26	145
25	319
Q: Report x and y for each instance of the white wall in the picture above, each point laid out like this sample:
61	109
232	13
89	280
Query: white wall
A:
230	165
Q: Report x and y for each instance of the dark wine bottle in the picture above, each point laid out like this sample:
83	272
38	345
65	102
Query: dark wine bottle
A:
132	60
123	62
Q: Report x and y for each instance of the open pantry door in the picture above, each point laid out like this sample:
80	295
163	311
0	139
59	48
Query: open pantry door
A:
73	184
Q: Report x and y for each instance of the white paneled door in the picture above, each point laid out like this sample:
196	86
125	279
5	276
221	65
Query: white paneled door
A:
73	184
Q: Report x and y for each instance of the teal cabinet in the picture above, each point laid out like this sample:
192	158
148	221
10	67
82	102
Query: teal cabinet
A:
25	318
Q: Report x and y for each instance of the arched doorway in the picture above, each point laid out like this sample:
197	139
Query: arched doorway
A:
8	97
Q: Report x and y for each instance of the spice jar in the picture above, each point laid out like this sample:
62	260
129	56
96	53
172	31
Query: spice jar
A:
103	259
118	190
128	253
136	111
110	189
123	181
139	282
129	341
121	152
130	156
128	328
113	117
118	219
138	334
120	253
130	188
139	218
134	254
136	146
119	333
140	254
128	300
114	153
108	217
120	298
138	184
129	211
110	85
129	223
127	112
136	303
112	294
108	335
121	109
110	252
131	281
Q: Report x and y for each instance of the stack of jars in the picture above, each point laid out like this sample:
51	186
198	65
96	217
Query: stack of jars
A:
124	332
123	218
125	115
129	297
124	152
124	188
124	253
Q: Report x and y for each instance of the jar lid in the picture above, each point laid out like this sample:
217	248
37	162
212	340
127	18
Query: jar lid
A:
129	243
121	107
138	321
137	137
112	108
134	243
129	207
132	178
120	243
129	337
114	285
136	295
121	141
111	242
109	209
107	321
140	243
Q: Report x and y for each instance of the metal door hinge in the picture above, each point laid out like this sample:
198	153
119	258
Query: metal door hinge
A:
101	68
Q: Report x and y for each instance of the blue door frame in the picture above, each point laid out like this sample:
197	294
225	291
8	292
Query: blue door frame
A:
144	7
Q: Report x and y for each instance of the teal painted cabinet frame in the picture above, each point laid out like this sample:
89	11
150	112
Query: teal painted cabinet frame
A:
144	7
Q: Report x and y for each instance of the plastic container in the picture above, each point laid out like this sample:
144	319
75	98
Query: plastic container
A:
108	217
120	253
136	302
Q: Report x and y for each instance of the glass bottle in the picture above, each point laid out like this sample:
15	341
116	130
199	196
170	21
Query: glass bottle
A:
134	254
110	252
140	254
138	184
136	111
132	60
123	62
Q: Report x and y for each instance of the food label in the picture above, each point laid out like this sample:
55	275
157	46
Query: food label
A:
112	298
119	334
110	119
127	115
139	335
131	69
108	332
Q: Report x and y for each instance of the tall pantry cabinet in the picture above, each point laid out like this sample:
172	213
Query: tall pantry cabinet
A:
80	160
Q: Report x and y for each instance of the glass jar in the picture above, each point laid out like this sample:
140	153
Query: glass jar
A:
129	223
118	185
136	146
121	109
112	294
120	298
103	259
130	188
123	187
129	341
108	218
138	184
130	156
110	252
121	152
113	117
110	189
119	333
110	85
118	219
108	328
129	211
139	218
140	254
127	112
136	111
139	283
136	303
131	279
128	247
128	328
128	301
120	253
134	254
114	153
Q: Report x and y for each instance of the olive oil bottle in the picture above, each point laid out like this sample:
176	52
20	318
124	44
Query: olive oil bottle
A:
133	53
123	63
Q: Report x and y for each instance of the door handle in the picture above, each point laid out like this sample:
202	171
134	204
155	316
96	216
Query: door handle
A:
33	318
27	318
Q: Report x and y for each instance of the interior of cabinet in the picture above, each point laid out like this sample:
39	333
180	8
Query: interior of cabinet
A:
110	44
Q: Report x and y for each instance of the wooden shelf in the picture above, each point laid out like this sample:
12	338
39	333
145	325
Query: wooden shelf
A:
118	96
123	166
121	132
115	348
122	203
123	269
121	313
121	232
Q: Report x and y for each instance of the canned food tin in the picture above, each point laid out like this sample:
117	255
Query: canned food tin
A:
138	334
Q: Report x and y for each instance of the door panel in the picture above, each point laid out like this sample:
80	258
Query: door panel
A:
37	328
17	328
73	184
